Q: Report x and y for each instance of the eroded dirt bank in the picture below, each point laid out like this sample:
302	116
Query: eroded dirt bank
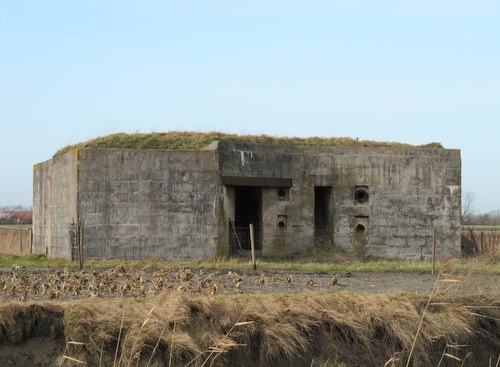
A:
313	329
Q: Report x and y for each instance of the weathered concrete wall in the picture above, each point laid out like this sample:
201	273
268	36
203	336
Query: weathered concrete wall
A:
15	240
249	160
410	193
54	205
136	204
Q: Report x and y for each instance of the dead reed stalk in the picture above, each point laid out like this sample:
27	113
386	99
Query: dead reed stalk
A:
355	329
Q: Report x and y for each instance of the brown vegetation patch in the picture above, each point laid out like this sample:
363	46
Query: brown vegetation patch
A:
199	140
315	329
17	283
277	330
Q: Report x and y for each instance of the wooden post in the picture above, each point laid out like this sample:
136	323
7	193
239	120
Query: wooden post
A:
252	246
433	251
80	244
31	240
481	242
20	241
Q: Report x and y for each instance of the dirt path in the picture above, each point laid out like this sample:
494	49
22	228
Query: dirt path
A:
363	282
39	284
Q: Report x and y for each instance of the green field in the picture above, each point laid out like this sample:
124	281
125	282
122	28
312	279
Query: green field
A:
482	264
481	228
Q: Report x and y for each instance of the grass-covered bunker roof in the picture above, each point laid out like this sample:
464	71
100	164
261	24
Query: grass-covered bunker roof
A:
199	140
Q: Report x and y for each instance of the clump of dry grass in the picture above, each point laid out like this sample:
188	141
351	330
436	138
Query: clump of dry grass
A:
353	329
199	140
450	282
341	329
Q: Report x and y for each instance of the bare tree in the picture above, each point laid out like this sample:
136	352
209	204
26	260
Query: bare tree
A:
468	204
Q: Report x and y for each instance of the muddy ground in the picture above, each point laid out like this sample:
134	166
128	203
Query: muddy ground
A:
17	284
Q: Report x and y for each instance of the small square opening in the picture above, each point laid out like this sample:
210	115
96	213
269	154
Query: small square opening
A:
361	224
283	193
281	223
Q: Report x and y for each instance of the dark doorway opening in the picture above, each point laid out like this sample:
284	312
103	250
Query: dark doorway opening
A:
248	209
322	199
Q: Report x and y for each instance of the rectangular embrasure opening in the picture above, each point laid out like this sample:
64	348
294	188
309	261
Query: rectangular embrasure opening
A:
322	207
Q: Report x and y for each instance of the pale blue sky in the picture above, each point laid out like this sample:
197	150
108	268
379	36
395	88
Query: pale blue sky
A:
413	72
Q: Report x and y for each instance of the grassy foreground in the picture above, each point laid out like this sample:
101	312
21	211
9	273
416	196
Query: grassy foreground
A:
481	264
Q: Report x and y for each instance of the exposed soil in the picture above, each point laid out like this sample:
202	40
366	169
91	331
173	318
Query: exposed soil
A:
43	284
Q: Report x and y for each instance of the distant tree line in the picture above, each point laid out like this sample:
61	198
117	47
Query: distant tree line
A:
483	219
17	208
469	217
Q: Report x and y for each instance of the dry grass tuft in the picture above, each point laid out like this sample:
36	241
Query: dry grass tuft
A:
199	140
261	330
313	329
450	282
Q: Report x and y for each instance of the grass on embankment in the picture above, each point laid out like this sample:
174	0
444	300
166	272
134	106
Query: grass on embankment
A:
316	329
482	264
199	140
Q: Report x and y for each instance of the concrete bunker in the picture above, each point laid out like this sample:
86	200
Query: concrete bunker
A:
190	204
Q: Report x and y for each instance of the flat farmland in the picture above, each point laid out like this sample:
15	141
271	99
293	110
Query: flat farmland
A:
20	284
